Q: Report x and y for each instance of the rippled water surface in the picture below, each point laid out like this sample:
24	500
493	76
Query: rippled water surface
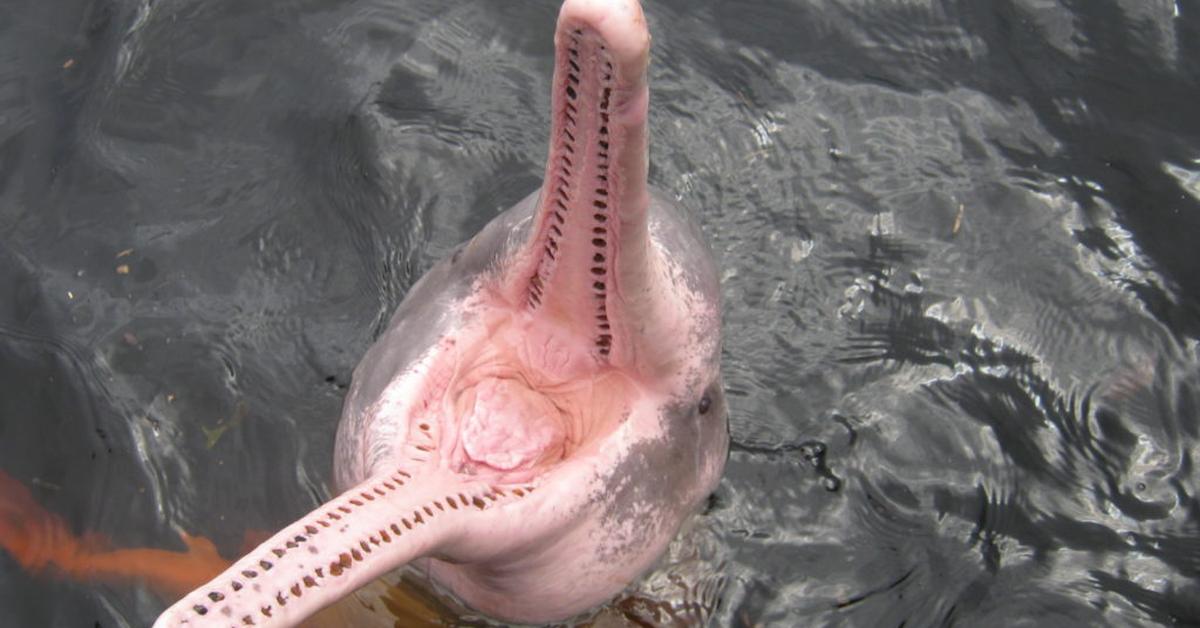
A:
958	249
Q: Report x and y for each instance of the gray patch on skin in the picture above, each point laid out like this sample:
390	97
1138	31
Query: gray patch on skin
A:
628	496
657	483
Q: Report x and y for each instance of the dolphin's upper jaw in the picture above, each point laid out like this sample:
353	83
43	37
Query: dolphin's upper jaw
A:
589	267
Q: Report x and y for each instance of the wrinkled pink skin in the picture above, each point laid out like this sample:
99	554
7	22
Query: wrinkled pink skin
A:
546	407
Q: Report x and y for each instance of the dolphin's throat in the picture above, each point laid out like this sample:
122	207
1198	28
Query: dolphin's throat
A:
520	394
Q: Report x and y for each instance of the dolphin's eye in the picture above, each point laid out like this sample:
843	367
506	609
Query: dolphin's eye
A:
705	404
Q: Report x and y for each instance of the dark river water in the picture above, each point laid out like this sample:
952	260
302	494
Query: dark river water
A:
958	244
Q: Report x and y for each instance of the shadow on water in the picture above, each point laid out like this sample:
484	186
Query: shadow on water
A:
961	293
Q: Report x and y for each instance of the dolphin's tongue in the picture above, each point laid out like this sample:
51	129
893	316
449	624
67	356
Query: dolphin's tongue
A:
507	426
588	250
339	547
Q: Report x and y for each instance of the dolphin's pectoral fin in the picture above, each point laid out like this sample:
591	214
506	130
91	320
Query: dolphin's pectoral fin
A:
39	540
373	528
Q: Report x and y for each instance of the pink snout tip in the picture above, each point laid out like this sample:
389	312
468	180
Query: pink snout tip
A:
620	23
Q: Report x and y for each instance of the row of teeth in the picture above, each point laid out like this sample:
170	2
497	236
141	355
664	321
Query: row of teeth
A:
347	559
561	185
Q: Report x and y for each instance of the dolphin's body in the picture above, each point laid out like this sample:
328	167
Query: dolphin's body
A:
546	407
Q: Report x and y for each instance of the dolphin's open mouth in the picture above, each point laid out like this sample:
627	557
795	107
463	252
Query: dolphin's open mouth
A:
527	401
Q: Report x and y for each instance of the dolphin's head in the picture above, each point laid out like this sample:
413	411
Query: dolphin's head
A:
546	407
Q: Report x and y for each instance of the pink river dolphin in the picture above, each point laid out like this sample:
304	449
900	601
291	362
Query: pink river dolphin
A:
546	406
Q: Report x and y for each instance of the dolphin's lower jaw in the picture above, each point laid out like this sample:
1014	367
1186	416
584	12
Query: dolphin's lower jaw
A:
345	544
